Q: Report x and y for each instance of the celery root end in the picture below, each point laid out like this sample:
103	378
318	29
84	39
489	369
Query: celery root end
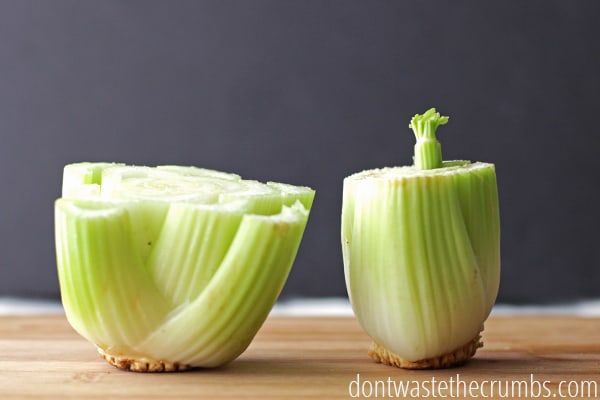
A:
454	358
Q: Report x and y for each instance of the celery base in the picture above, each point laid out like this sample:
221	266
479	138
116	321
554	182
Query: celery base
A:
421	255
171	268
141	364
454	358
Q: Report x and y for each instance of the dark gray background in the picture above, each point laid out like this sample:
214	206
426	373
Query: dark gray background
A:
308	92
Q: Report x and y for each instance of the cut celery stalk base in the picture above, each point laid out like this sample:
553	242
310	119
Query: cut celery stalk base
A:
170	268
421	249
421	255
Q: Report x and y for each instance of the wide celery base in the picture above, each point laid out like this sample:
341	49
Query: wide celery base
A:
171	268
454	358
141	364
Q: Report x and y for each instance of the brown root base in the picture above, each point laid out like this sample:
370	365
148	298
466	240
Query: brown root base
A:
456	357
142	364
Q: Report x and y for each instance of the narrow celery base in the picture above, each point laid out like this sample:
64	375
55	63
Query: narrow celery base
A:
454	358
421	255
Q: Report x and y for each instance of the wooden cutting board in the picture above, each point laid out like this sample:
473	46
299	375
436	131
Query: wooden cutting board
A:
42	357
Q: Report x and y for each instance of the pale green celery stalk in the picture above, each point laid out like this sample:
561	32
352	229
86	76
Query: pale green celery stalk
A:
108	294
239	296
83	179
173	267
290	194
195	238
421	249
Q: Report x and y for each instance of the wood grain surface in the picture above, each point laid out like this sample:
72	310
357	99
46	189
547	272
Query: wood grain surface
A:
294	357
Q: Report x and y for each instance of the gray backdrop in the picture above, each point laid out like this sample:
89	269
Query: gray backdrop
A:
308	92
